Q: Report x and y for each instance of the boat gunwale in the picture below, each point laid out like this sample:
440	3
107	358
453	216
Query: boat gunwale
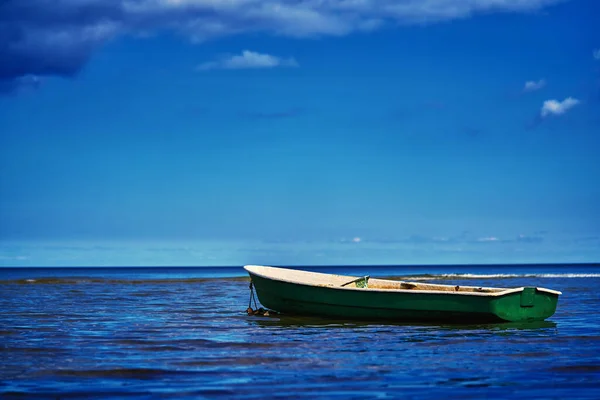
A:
249	268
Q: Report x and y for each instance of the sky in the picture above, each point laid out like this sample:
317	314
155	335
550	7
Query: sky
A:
299	132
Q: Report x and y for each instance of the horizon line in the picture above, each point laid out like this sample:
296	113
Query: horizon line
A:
579	264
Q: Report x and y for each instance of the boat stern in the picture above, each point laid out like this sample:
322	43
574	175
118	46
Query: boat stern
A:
526	304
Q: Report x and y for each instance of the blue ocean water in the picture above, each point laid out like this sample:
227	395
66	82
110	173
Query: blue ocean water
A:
183	332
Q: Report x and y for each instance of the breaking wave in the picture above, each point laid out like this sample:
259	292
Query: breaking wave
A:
499	276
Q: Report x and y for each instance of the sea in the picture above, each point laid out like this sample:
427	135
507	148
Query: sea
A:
139	333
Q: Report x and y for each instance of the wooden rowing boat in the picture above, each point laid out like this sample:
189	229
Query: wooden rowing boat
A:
303	292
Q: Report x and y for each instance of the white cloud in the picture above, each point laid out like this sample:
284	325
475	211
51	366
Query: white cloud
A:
596	54
57	38
248	59
317	17
488	239
531	86
13	258
555	107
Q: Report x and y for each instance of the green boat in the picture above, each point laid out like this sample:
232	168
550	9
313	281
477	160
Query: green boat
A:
293	291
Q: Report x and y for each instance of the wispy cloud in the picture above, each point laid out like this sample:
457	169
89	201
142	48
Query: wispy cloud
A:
417	109
469	239
7	259
57	38
552	108
555	107
281	114
472	132
519	239
353	240
248	60
488	239
19	83
596	54
530	238
355	249
532	86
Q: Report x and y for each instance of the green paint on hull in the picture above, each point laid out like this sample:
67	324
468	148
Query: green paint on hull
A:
527	305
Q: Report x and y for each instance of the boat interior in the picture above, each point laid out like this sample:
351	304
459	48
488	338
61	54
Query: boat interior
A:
395	285
364	282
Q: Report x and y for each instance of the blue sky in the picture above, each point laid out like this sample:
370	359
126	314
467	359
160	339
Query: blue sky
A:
194	132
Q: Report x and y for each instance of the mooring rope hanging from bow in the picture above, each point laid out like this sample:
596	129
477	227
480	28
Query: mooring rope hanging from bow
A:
256	310
252	299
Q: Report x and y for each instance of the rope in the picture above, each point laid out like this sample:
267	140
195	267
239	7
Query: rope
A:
257	311
252	297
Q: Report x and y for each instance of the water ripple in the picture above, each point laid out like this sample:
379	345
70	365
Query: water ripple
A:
87	338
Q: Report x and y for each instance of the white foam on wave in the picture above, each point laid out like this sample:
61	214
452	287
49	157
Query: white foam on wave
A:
502	276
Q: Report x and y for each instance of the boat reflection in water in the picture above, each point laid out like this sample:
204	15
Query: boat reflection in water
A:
283	321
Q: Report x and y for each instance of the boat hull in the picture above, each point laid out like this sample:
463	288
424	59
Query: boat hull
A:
529	304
